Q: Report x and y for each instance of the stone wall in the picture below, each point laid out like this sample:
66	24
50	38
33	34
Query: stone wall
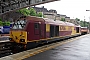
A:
10	16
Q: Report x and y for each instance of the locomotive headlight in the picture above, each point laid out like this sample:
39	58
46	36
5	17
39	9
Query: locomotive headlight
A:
10	38
23	36
22	40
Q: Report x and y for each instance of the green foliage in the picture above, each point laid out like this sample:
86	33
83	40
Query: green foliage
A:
44	16
77	19
24	11
6	23
84	24
39	14
1	23
32	12
0	19
62	19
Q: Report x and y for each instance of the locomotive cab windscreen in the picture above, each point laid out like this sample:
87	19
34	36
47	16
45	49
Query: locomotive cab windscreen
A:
18	33
19	24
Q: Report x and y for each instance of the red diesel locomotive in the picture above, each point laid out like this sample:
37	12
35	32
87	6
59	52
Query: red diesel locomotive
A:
29	31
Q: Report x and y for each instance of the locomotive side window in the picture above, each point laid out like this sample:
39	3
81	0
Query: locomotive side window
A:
36	28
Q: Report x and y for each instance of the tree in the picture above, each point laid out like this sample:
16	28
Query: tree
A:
86	24
39	14
0	19
32	12
62	19
1	23
82	23
6	23
24	11
77	19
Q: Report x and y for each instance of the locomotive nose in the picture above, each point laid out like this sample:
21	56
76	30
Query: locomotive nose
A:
19	36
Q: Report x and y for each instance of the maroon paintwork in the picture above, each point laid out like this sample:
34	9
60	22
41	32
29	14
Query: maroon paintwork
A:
59	23
84	30
37	34
61	33
32	33
65	33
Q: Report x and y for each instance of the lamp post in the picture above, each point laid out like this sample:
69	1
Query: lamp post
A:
84	21
89	20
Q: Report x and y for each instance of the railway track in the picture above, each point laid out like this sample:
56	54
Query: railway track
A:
5	45
5	48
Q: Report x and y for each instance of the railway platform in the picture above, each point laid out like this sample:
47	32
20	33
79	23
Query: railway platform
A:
4	39
74	49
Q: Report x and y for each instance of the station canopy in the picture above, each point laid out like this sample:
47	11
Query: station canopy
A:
11	5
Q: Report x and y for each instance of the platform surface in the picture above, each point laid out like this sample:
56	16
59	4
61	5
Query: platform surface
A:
4	39
76	50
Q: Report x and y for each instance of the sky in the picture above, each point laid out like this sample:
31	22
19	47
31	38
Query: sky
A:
71	8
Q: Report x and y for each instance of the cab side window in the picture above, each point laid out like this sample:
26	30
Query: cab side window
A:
36	25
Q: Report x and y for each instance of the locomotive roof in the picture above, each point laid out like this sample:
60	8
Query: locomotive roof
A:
57	22
83	27
49	21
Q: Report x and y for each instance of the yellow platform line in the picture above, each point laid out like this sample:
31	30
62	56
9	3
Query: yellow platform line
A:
47	48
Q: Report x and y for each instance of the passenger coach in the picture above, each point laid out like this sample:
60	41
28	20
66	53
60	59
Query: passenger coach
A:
84	30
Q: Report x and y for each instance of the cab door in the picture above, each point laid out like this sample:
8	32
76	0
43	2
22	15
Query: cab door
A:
42	31
37	30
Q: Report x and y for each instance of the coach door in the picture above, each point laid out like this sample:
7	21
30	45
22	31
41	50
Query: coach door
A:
52	31
39	30
56	30
77	29
42	30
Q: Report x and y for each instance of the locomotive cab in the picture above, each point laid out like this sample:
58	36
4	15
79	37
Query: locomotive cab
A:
18	33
